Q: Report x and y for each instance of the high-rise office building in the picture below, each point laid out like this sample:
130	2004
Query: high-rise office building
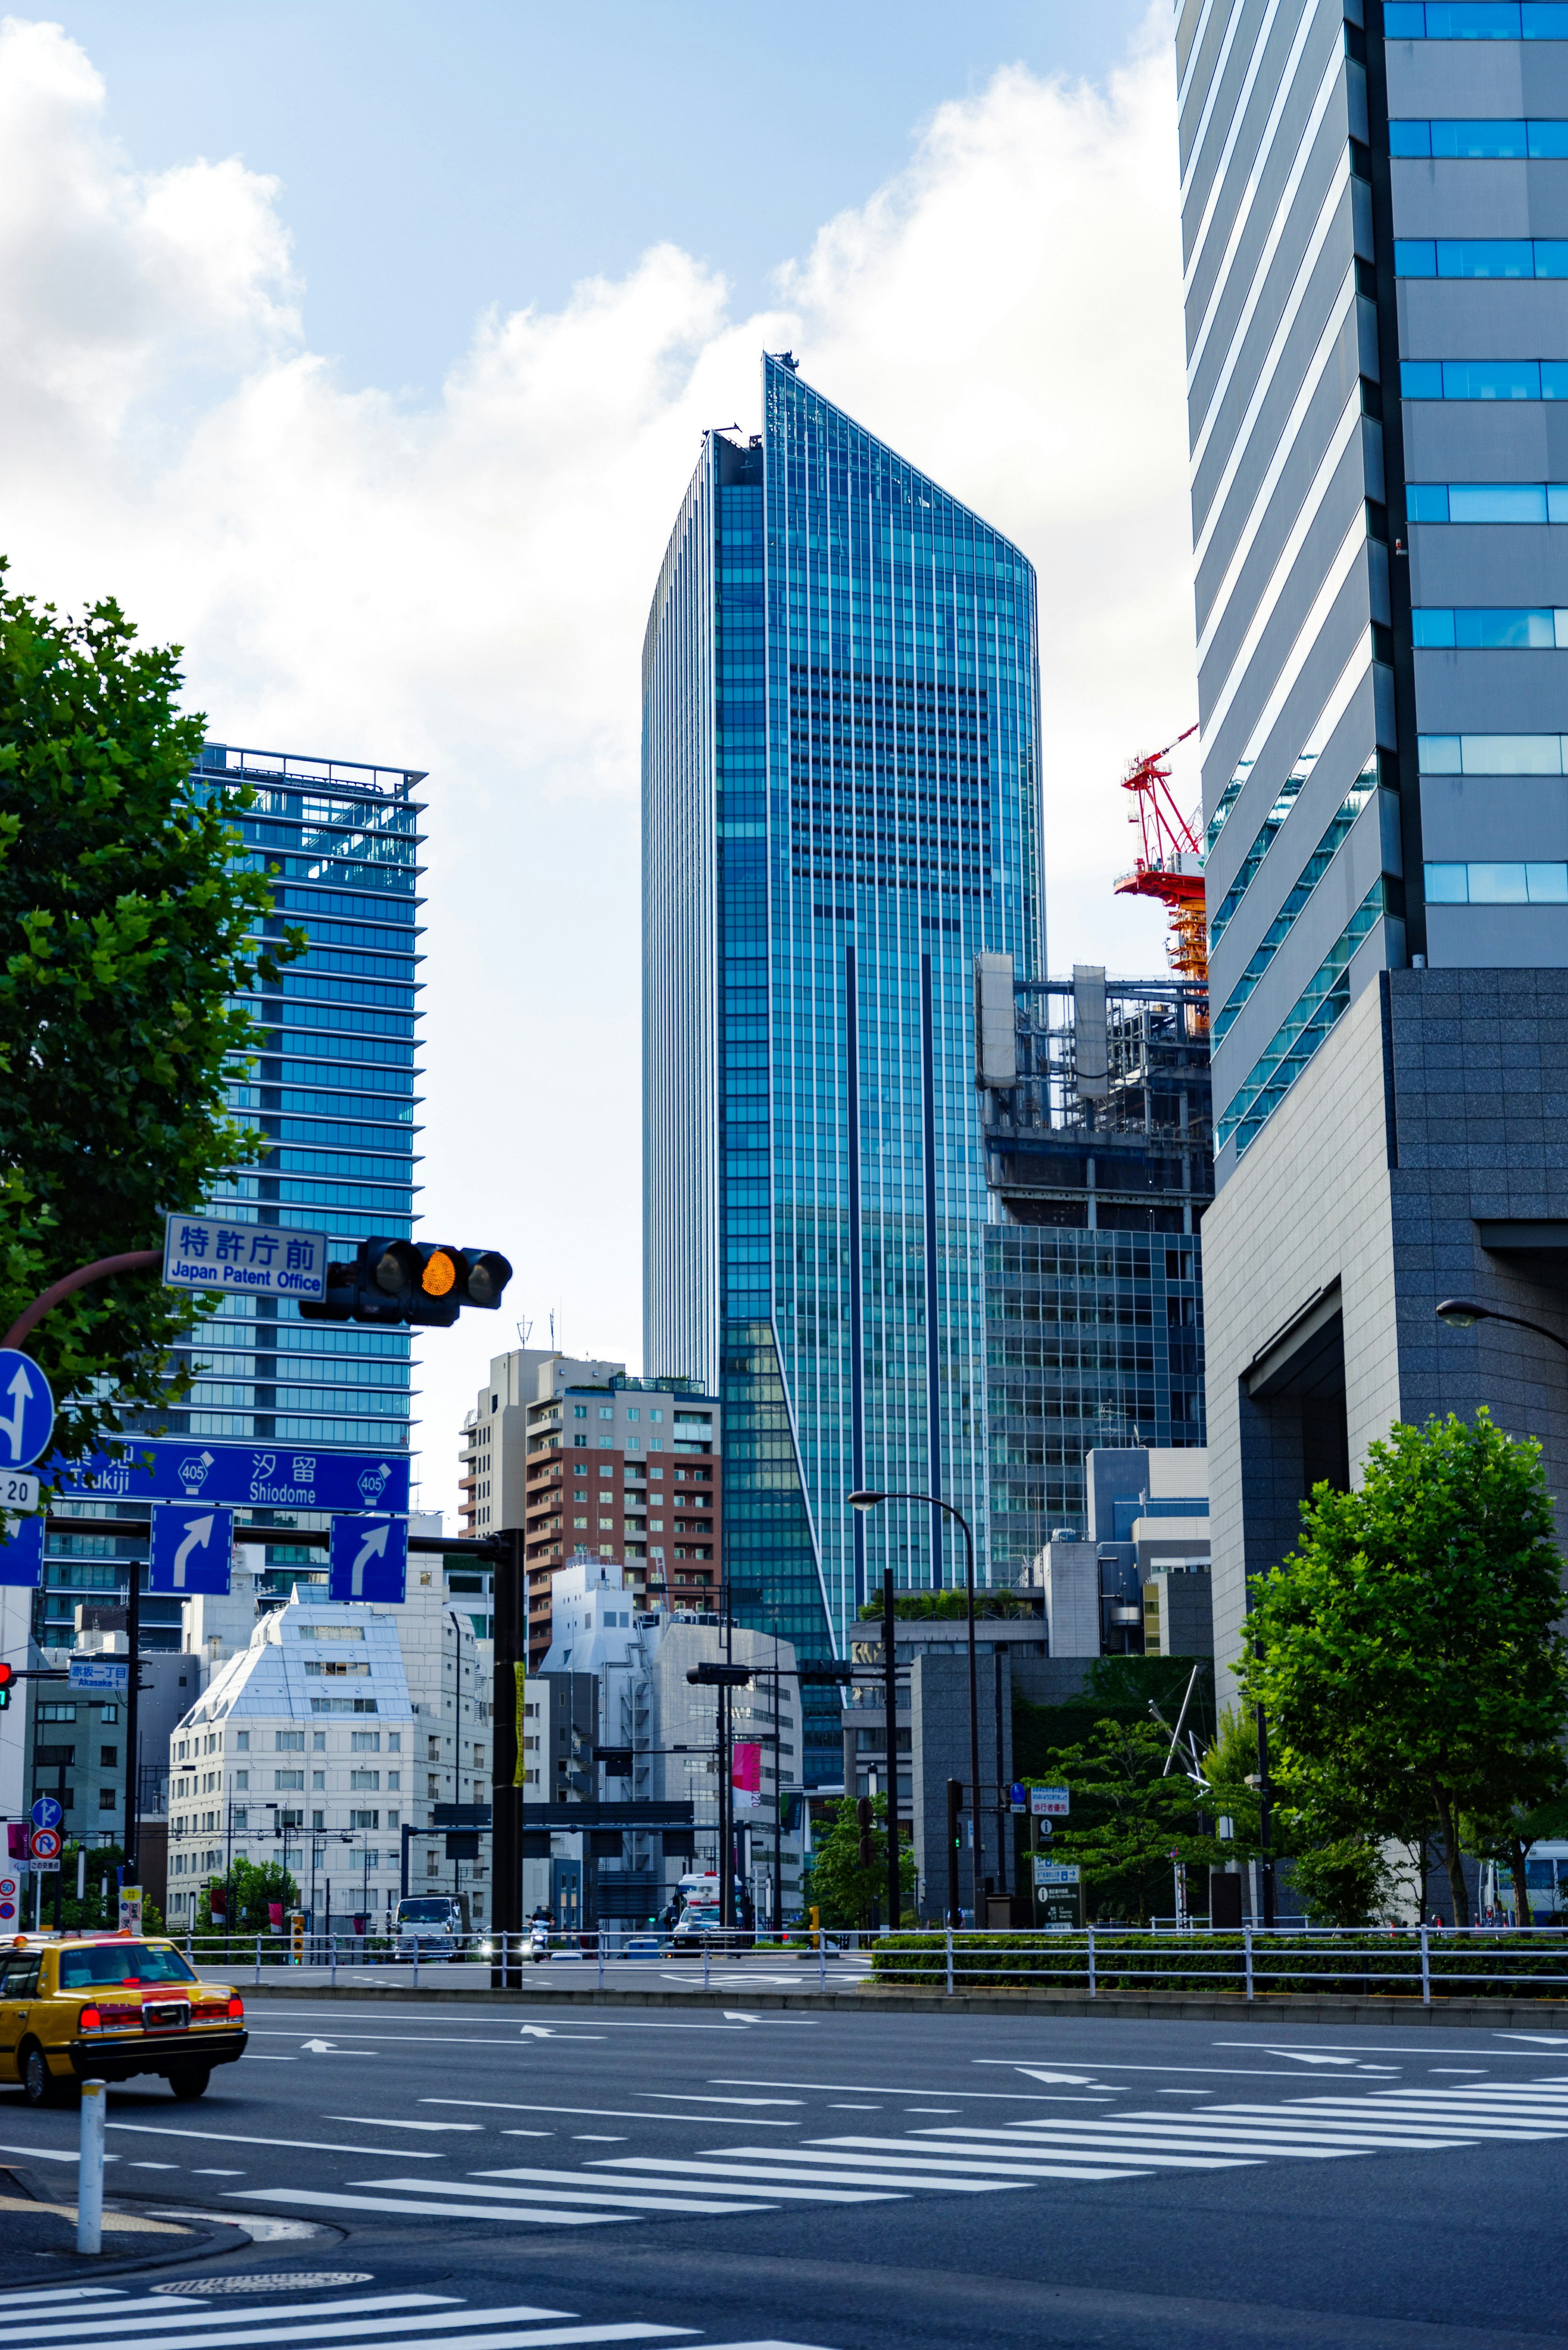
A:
333	1085
840	806
1375	234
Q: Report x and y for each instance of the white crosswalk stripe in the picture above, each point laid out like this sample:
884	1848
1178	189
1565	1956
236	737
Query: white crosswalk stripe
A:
120	2319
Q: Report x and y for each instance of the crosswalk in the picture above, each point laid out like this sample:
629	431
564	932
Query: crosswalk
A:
956	2159
185	2318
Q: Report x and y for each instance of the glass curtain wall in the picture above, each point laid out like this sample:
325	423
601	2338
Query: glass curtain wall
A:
840	807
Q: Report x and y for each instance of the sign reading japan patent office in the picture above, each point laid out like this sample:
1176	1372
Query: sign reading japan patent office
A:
249	1259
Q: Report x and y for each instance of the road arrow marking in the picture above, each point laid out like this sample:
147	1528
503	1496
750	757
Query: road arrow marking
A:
330	2048
1064	2080
543	2032
733	2015
197	1539
374	1546
21	1392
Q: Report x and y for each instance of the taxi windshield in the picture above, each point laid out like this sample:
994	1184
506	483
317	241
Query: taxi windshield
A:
128	1963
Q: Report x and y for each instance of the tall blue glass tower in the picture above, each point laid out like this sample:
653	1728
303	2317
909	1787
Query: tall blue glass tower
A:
840	796
333	1085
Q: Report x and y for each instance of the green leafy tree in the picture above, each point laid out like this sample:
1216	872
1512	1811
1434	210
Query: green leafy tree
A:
1343	1882
1128	1815
99	1910
1406	1651
127	907
845	1893
253	1889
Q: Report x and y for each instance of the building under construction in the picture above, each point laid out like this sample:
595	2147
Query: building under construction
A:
1095	1109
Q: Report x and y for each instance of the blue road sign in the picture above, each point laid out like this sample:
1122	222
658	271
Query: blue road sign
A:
370	1559
26	1410
272	1476
22	1557
193	1542
47	1813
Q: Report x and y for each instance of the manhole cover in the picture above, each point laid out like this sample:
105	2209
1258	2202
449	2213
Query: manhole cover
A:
278	2281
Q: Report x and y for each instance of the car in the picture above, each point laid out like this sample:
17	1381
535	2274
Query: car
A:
105	2007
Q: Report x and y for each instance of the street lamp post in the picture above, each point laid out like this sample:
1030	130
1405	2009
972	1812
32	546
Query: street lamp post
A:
865	1502
1463	1312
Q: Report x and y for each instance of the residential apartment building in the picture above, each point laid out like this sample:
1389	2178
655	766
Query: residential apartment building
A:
586	1459
840	807
1376	230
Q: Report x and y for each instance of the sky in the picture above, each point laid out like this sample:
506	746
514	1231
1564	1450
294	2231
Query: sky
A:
365	353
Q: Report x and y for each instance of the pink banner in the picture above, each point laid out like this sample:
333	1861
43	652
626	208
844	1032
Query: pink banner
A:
746	1776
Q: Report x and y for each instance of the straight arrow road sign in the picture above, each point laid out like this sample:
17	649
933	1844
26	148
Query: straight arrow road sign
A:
192	1548
26	1410
368	1559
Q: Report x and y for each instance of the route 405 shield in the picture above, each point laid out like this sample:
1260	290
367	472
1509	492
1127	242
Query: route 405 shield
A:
192	1547
370	1559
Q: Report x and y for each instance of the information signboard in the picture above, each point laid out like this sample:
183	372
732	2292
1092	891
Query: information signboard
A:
272	1476
243	1260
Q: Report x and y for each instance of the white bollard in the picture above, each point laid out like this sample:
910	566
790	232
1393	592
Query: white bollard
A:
89	2173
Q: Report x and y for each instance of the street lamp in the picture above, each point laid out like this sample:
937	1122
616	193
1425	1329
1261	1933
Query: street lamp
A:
865	1502
1463	1313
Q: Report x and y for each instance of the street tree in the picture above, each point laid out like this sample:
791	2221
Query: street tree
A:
1406	1652
255	1890
844	1892
129	920
1129	1815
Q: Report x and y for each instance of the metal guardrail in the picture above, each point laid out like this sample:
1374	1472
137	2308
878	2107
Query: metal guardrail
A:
1426	1962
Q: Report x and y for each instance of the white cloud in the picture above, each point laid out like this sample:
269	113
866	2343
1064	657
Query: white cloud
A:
464	588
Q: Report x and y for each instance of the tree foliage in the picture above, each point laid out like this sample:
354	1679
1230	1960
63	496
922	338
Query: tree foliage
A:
1406	1651
1128	1815
253	1889
127	909
839	1888
99	1910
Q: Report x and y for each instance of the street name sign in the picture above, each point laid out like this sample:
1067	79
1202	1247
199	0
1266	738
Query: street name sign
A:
272	1476
243	1260
368	1559
99	1673
26	1410
192	1544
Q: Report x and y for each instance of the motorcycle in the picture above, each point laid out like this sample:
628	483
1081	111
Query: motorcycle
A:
538	1940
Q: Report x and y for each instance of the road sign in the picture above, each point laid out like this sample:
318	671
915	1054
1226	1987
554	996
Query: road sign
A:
368	1559
43	1867
26	1410
192	1544
99	1673
1016	1797
1050	1802
48	1813
130	1909
45	1844
18	1489
245	1260
1055	1872
10	1899
22	1554
279	1476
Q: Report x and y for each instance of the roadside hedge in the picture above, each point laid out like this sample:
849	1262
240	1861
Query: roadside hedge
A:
1352	1965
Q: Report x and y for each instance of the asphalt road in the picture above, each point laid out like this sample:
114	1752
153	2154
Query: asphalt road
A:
845	2182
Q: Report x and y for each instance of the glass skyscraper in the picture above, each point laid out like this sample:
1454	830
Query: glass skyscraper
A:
840	797
333	1086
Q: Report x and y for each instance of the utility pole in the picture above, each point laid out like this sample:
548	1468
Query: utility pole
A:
890	1716
1265	1857
510	1595
131	1874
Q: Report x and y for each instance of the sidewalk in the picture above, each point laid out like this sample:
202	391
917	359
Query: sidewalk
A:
40	2236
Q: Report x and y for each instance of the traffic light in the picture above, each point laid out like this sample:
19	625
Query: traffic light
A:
8	1682
865	1813
712	1676
423	1281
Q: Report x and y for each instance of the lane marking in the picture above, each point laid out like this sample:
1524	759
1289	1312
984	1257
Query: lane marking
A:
380	2121
236	2137
562	2186
316	2200
596	2112
168	2312
896	2153
764	2169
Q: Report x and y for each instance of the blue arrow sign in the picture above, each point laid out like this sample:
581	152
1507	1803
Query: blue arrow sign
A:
272	1476
22	1558
191	1546
26	1410
368	1559
47	1813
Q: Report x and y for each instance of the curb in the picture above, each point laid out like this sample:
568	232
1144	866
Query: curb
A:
1468	2014
202	2243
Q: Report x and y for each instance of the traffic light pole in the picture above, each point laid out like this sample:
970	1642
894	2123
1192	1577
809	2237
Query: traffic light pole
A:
510	1595
132	1725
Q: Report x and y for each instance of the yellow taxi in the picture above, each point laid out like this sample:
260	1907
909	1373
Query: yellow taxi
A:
102	2007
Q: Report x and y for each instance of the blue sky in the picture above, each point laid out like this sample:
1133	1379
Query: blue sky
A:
436	160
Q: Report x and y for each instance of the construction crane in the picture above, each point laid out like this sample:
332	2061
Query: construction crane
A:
1172	865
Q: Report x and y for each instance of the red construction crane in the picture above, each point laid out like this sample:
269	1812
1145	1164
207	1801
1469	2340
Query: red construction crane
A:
1172	865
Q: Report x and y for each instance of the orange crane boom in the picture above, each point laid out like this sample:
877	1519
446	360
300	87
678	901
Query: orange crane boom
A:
1171	865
